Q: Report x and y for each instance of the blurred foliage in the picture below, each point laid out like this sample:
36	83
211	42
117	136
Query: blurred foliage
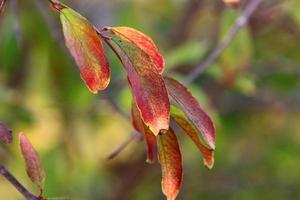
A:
252	91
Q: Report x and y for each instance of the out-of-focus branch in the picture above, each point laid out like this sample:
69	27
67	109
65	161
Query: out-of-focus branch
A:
115	105
240	22
50	20
14	4
122	146
2	5
4	172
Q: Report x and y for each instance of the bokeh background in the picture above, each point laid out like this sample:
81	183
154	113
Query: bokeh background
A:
252	91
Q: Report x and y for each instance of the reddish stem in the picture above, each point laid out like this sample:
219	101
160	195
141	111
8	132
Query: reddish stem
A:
18	185
56	5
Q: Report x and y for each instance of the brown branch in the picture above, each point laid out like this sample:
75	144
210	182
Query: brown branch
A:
122	146
2	5
115	105
240	22
4	172
14	4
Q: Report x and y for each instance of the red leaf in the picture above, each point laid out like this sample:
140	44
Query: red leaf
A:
86	47
142	41
147	84
149	137
5	134
192	109
170	159
192	132
34	166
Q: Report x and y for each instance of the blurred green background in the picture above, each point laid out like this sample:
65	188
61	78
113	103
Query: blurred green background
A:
252	91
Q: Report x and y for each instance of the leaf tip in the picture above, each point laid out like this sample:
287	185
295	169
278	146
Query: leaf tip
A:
22	137
209	164
150	161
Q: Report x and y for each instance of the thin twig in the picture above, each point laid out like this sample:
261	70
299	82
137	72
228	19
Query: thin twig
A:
115	105
122	146
240	22
17	184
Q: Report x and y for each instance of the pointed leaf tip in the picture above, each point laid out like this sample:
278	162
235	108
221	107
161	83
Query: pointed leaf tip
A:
192	109
171	163
86	48
5	134
141	40
34	168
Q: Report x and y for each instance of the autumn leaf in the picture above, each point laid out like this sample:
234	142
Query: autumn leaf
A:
170	159
192	132
34	168
5	134
192	109
148	136
142	41
86	47
147	84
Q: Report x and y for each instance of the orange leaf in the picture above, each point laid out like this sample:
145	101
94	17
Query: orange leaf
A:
192	132
192	109
86	47
149	137
5	134
147	84
34	166
142	41
170	159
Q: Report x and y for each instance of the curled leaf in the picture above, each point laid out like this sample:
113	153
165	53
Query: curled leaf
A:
148	136
34	168
86	47
147	84
142	41
170	159
192	109
5	134
192	132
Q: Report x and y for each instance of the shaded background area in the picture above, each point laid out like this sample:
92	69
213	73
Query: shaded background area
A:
252	91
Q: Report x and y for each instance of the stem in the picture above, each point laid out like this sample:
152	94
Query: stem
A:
122	146
240	22
56	5
18	185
